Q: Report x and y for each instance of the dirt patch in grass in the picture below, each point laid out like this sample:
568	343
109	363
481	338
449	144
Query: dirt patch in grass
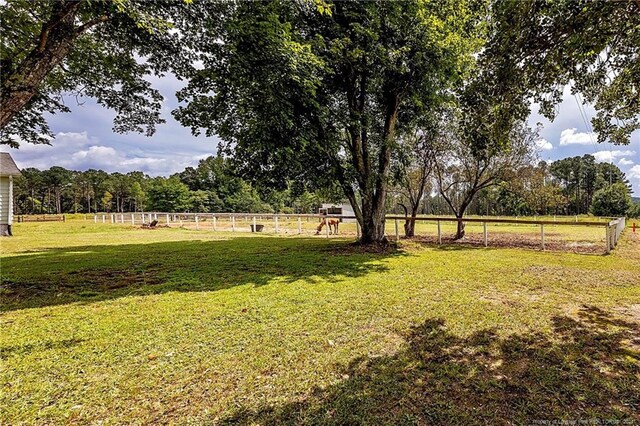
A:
357	248
76	285
632	311
512	240
590	278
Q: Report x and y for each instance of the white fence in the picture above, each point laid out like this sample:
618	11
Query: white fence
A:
614	230
306	223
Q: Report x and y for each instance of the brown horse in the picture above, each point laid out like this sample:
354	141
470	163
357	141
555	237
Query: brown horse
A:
333	225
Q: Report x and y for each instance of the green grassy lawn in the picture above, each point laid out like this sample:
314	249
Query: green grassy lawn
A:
105	324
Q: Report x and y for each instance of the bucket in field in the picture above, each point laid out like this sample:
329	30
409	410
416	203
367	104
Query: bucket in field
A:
257	228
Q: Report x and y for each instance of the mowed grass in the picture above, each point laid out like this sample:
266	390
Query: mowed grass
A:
105	324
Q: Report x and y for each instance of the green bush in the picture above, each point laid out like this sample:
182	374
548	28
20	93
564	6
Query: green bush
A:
612	200
634	210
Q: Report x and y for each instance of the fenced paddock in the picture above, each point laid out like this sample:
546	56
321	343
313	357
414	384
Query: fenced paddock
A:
581	236
555	233
42	218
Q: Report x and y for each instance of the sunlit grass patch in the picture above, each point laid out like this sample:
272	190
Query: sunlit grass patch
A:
116	324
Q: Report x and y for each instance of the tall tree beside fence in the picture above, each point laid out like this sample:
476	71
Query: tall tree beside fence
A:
310	92
411	172
462	170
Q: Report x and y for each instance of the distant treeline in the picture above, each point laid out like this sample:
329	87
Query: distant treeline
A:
575	185
210	187
571	186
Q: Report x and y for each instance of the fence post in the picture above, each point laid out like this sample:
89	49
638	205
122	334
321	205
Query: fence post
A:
112	218
299	225
168	219
95	218
255	229
121	218
326	222
608	239
439	233
612	236
397	234
133	219
542	235
233	223
486	235
197	224
215	228
275	219
104	219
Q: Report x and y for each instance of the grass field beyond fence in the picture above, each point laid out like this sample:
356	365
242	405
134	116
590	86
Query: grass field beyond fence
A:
561	233
105	324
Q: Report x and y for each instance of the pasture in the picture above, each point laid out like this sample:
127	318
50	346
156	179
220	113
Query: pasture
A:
112	324
566	235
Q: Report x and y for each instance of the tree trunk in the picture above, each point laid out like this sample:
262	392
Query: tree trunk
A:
410	227
460	229
374	199
58	201
373	222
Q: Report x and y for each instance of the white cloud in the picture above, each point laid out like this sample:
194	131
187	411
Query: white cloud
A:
544	145
80	151
573	137
625	162
611	156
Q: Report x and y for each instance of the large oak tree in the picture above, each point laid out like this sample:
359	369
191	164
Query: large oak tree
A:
322	93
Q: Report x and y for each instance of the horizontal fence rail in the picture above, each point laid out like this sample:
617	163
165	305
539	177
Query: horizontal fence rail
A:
292	223
42	218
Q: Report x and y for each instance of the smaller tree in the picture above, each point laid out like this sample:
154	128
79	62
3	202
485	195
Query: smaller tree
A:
462	170
634	210
168	195
412	173
613	200
138	196
106	201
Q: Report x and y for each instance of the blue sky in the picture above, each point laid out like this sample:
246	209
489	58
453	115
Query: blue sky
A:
84	140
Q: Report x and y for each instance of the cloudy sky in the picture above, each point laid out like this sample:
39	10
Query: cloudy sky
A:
84	140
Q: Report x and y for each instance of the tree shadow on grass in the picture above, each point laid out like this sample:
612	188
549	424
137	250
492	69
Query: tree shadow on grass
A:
7	351
585	371
95	273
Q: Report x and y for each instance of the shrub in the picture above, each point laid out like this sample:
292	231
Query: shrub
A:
613	200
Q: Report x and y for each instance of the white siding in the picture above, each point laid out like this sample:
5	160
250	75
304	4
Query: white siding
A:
5	200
